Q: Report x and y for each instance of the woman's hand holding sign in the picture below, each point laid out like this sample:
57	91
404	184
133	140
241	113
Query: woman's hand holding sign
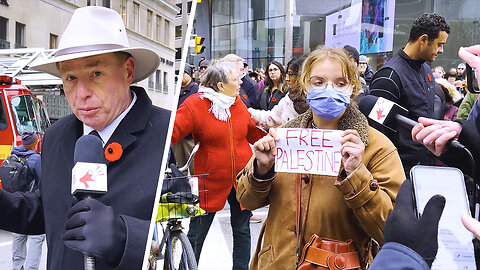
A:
352	150
265	152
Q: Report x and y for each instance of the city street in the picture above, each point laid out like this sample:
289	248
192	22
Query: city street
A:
217	250
6	252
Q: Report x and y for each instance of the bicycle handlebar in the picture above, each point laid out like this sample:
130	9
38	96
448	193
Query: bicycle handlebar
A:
190	158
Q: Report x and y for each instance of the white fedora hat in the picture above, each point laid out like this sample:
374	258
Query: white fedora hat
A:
97	30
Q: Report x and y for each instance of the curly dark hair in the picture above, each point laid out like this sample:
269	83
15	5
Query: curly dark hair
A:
430	24
295	64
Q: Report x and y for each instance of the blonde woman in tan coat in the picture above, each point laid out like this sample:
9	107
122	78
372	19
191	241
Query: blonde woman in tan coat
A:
353	205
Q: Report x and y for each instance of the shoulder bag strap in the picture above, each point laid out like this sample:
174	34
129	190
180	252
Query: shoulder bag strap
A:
298	188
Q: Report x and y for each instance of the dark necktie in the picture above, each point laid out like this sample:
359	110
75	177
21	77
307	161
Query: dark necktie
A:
95	133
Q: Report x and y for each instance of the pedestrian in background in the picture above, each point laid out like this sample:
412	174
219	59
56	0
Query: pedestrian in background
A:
23	257
274	88
220	122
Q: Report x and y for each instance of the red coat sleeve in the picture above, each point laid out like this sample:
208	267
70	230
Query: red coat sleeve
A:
254	133
184	123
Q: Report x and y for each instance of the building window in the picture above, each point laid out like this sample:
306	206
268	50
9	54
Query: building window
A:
91	2
4	44
159	28
158	83
151	83
178	31
149	23
19	35
167	33
165	82
53	41
123	11
106	3
136	17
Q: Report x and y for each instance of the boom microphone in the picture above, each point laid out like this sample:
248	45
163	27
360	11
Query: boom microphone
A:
387	114
89	175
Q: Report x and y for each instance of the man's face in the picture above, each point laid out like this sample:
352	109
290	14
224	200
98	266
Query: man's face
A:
460	70
97	87
186	79
431	49
362	67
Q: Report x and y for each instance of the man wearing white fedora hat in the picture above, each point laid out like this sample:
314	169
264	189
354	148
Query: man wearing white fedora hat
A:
97	68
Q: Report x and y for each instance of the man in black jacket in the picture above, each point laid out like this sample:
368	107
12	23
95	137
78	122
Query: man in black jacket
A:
407	80
97	67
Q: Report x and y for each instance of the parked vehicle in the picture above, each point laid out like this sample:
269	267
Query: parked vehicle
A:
20	111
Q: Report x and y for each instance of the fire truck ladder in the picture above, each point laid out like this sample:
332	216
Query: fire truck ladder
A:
16	61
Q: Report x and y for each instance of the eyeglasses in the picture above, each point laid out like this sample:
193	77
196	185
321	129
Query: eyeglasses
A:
290	74
321	83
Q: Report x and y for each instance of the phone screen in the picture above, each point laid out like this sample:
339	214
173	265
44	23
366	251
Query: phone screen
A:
455	247
472	83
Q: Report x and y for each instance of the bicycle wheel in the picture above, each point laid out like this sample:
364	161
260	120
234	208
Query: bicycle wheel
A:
180	252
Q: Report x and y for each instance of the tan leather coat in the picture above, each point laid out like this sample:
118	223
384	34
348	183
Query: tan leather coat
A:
352	208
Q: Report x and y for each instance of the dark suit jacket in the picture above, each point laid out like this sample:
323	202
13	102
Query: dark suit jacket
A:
249	88
132	183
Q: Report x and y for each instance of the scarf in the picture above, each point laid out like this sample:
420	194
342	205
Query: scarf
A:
220	102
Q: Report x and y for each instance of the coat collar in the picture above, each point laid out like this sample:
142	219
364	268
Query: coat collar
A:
125	134
351	119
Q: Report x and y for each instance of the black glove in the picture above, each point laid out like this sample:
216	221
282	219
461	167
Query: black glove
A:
94	229
419	234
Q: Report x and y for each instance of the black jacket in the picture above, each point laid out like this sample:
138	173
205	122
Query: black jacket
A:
267	100
409	83
132	183
248	92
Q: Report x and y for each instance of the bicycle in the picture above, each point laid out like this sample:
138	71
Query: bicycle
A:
179	200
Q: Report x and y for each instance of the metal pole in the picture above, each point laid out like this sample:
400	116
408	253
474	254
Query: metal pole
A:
288	30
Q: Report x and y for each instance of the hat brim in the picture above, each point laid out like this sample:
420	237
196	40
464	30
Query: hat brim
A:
146	61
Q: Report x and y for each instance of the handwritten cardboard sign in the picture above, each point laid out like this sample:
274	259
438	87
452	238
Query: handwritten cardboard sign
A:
312	151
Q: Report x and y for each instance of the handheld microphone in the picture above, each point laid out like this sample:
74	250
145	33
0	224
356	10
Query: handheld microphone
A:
389	115
89	175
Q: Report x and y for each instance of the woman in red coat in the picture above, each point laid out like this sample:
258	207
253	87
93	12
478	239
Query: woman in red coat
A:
219	120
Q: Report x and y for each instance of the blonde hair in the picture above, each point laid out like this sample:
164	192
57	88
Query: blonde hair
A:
337	55
232	58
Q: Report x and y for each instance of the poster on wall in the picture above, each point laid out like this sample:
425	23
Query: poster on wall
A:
377	26
343	27
367	26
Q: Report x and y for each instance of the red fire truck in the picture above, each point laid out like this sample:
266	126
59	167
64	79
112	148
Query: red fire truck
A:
20	111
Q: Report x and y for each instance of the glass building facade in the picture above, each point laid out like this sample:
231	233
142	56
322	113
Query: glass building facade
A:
254	30
257	29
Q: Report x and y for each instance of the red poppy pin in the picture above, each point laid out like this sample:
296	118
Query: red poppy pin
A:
244	96
274	99
429	77
113	152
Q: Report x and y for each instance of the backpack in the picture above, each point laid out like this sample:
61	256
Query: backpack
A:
15	174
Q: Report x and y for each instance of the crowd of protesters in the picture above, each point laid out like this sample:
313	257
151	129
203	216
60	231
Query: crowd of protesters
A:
320	90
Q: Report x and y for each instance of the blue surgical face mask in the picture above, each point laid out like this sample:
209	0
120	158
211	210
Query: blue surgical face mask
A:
328	103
